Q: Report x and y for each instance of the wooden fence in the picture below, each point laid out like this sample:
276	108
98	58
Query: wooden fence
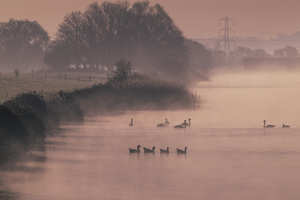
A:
68	76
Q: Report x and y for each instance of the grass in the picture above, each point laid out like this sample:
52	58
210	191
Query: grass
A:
11	86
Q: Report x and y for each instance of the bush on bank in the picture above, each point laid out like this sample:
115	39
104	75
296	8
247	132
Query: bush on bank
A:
26	119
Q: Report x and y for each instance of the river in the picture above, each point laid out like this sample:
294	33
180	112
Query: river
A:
229	153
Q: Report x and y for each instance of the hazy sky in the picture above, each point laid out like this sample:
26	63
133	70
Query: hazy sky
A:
196	18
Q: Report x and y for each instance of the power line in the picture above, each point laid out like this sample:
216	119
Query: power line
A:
226	31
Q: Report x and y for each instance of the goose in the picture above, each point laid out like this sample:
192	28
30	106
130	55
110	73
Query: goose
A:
161	125
131	123
167	122
146	150
185	123
164	151
269	125
137	150
181	125
285	126
164	124
179	151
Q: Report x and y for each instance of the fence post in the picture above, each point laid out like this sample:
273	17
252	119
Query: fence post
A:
65	76
90	78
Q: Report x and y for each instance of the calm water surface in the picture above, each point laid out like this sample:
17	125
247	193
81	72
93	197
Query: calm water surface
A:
229	154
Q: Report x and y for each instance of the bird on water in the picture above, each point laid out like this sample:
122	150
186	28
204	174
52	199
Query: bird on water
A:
131	123
164	150
187	124
137	150
183	125
179	151
269	125
285	126
165	124
146	150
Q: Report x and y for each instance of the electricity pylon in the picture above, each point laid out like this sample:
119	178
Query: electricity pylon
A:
226	31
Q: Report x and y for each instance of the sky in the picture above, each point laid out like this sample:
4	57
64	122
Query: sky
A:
195	18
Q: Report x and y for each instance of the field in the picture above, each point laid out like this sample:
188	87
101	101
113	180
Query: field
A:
10	85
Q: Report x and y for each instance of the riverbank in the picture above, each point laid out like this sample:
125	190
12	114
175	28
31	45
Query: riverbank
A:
27	119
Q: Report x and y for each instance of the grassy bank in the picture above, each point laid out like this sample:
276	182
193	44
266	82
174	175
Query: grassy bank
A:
26	119
137	92
10	86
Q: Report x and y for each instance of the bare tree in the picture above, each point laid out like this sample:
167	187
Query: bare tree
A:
71	35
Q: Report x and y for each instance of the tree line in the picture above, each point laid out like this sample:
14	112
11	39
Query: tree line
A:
95	39
143	34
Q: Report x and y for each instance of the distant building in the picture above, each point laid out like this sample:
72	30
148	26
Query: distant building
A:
270	64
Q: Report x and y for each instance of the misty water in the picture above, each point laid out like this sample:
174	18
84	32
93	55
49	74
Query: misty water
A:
229	153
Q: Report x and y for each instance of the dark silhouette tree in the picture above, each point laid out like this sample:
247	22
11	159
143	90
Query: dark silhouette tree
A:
143	34
70	38
58	57
122	71
22	44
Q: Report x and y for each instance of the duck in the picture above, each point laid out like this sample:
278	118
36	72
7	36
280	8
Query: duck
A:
146	150
187	124
167	122
285	126
164	151
137	150
131	123
179	151
269	125
161	125
183	125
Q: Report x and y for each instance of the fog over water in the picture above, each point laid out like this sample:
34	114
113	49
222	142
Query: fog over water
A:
229	153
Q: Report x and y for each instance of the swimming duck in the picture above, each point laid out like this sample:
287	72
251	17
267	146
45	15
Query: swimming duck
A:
185	123
137	150
164	151
179	151
161	125
181	125
285	126
164	124
269	125
131	123
146	150
167	122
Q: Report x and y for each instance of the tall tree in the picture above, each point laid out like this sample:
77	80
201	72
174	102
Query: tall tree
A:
107	32
143	34
22	44
70	36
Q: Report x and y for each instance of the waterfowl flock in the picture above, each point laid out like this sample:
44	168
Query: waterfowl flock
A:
162	151
272	126
183	125
166	123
